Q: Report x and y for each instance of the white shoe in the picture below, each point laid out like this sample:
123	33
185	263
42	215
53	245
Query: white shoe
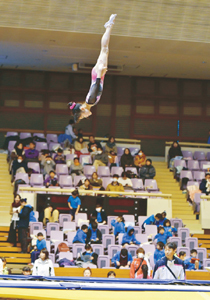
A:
111	21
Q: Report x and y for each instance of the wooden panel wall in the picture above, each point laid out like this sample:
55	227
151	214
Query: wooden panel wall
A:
130	107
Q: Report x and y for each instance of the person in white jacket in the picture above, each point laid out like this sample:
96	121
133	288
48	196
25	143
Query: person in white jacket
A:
43	266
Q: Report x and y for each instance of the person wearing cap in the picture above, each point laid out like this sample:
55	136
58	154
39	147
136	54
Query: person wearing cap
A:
205	184
23	224
147	171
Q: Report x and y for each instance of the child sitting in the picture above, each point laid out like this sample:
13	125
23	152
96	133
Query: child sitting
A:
159	252
81	235
129	237
94	235
59	157
192	263
152	220
51	180
26	271
88	256
182	255
122	259
119	225
40	244
162	236
168	228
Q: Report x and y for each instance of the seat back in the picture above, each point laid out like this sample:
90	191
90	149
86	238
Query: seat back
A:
185	249
120	237
202	254
199	155
129	219
109	220
132	169
23	176
25	135
187	155
175	240
206	263
64	218
137	230
108	239
141	220
52	257
89	170
56	235
198	175
11	145
149	248
132	249
150	184
61	169
116	170
137	183
78	248
34	165
70	237
69	226
11	133
183	233
104	229
191	242
142	238
39	134
113	249
106	181
98	249
52	227
103	261
35	226
68	255
65	181
187	174
204	165
176	223
85	159
36	179
35	232
41	146
77	178
179	162
150	229
51	137
103	171
193	165
82	216
52	146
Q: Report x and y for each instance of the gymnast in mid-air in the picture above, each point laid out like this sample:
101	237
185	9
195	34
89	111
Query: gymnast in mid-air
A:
79	110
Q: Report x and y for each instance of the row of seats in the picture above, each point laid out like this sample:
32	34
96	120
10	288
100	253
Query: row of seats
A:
50	137
192	164
197	155
192	175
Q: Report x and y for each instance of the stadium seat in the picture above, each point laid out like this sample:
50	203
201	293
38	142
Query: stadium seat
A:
78	248
192	182
52	145
204	165
70	156
113	249
150	229
52	227
34	165
109	219
39	134
77	179
179	163
98	249
137	184
36	180
103	171
120	150
176	240
132	249
208	156
191	242
206	263
151	185
103	261
70	237
108	239
65	181
25	135
52	257
89	170
176	222
134	150
11	146
56	235
106	181
198	175
183	233
149	248
35	232
61	169
64	218
82	216
132	169
116	170
187	155
85	159
103	228
41	146
185	249
35	226
186	174
202	253
141	220
129	219
199	155
120	237
193	165
137	230
142	238
67	255
51	138
12	133
69	226
23	176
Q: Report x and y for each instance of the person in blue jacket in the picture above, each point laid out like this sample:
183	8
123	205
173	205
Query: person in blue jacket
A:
162	236
168	228
162	220
129	237
152	220
40	244
159	252
122	259
191	263
119	225
81	235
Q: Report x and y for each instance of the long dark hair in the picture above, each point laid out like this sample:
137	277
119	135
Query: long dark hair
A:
145	271
129	154
14	204
44	250
18	151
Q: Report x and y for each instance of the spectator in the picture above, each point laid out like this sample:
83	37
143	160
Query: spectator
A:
93	145
168	228
129	237
86	185
136	266
95	181
69	130
76	167
174	153
40	244
32	154
19	166
162	220
122	259
80	133
152	220
89	256
114	186
101	158
125	181
26	271
14	210
170	266
87	272
17	151
126	159
182	255
159	252
5	271
111	146
48	164
43	266
119	225
81	235
145	273
192	263
99	214
74	204
162	236
111	274
140	160
59	157
80	146
94	235
51	214
147	171
23	224
51	180
205	184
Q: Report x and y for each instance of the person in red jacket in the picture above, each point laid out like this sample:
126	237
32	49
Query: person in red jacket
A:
136	265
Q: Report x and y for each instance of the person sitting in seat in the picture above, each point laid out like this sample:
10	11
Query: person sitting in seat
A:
192	263
88	256
51	214
93	145
32	154
76	168
111	146
81	235
125	181
129	237
140	160
94	235
147	171
95	181
19	166
168	228
101	158
205	184
119	225
115	186
51	180
126	159
99	214
59	157
48	164
162	236
122	259
152	220
159	251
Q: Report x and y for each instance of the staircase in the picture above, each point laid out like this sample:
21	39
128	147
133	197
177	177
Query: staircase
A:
6	191
180	207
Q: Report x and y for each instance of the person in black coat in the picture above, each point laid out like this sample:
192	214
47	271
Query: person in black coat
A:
126	159
173	152
23	224
147	171
94	235
89	255
17	164
205	184
99	215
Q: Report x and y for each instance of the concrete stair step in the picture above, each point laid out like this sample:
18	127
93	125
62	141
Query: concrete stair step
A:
18	260
202	236
183	216
10	249
15	255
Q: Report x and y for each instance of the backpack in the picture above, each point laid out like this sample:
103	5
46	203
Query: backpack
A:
66	262
62	247
130	174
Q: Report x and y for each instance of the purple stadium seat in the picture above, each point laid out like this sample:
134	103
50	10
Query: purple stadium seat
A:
202	254
85	159
41	146
142	238
35	226
52	227
57	243
185	249
78	248
11	145
151	185
67	255
187	174
48	244
193	165
65	181
103	171
132	169
98	249
70	237
103	228
116	170
129	219
176	240
11	133
70	156
198	175
88	170
208	156
141	220
56	235
206	263
191	242
23	176
149	248
137	184
69	226
150	229
64	218
77	178
39	134
109	219
183	233
61	169
204	165
52	144
25	135
132	249
176	222
179	162
34	165
52	138
120	237
137	230
36	214
120	151
187	155
134	150
108	239
197	200
103	261
199	155
113	249
106	181
82	216
192	182
36	180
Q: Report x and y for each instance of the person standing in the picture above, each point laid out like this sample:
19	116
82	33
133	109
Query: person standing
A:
74	204
43	266
23	224
69	130
14	210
